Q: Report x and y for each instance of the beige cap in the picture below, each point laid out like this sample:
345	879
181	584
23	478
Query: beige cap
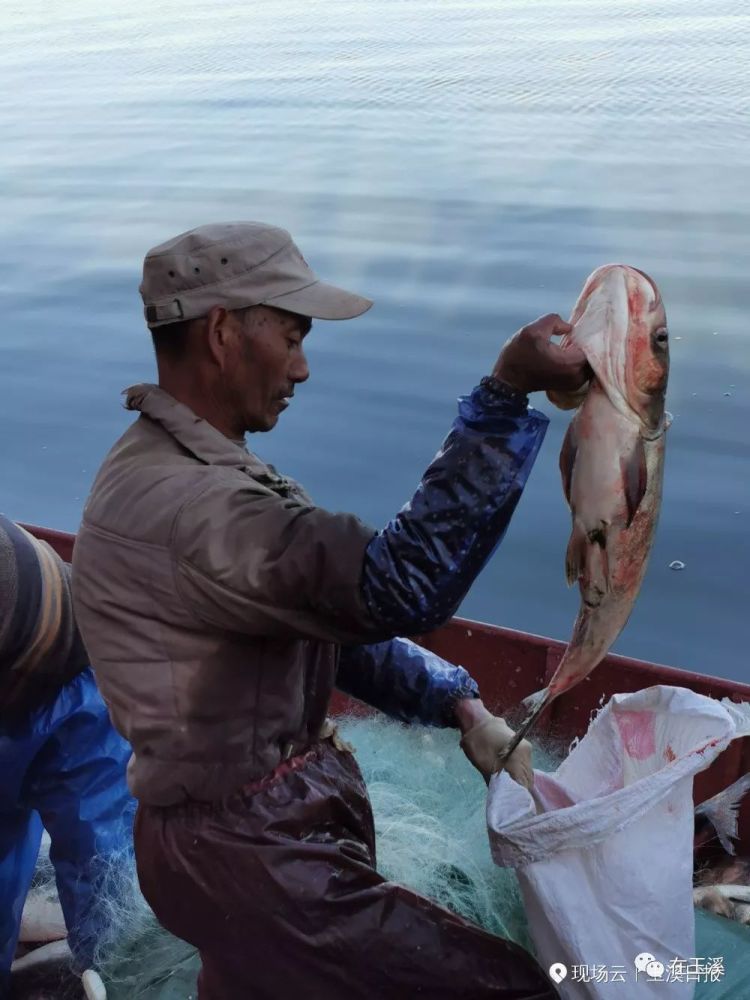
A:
237	264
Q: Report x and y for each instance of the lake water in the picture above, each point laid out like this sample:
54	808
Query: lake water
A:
464	164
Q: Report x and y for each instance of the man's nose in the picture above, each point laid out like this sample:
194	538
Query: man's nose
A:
300	371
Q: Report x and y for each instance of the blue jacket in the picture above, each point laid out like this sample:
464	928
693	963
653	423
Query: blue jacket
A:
63	767
419	568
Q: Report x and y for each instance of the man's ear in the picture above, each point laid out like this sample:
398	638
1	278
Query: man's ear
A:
218	334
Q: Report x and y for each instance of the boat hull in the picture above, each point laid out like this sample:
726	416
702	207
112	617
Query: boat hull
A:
509	665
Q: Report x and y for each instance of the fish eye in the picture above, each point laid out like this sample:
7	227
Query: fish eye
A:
661	336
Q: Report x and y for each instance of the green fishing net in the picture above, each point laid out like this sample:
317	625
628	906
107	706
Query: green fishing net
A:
429	807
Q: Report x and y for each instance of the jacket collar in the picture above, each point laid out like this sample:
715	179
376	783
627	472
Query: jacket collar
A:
199	437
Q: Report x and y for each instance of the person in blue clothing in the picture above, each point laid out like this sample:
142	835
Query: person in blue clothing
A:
62	765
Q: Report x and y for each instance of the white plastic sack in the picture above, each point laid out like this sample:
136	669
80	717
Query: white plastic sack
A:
603	847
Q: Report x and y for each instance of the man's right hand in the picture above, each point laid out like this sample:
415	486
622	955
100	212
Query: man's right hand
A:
484	743
530	360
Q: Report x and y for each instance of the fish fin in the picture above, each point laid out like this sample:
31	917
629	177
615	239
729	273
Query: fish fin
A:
567	459
721	811
587	562
709	898
575	556
595	573
568	400
634	478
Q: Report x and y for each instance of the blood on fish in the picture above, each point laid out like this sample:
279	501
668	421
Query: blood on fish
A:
611	464
635	300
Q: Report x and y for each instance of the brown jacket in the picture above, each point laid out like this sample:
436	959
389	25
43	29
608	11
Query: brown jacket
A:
211	594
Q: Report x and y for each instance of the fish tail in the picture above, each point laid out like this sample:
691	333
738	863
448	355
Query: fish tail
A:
721	811
532	702
535	703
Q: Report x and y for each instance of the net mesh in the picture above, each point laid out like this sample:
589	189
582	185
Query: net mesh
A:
429	808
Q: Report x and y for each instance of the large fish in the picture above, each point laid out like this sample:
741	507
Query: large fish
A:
611	462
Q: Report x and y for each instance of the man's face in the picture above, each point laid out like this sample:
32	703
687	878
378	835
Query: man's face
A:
268	363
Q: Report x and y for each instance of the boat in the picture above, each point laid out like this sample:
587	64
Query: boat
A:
509	665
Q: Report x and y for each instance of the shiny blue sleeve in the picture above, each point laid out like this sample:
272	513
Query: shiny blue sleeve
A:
418	569
78	786
405	681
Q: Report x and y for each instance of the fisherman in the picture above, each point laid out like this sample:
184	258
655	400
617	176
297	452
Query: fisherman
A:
62	765
222	606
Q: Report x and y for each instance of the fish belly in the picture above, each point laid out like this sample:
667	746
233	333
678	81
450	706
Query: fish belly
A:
606	554
42	919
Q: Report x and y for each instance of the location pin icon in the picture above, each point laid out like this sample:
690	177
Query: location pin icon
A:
558	972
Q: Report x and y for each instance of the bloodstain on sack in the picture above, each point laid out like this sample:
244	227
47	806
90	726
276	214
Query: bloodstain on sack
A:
637	733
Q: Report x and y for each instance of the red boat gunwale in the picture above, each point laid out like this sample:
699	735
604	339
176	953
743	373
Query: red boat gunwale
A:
509	665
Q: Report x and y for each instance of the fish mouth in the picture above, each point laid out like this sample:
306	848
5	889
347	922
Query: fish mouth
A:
594	282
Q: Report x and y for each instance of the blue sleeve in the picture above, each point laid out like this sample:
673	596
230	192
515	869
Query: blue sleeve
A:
419	568
78	786
405	681
20	835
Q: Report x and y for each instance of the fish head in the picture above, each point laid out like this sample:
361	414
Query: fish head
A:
620	324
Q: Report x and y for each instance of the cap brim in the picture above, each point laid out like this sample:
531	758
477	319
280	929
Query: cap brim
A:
321	301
